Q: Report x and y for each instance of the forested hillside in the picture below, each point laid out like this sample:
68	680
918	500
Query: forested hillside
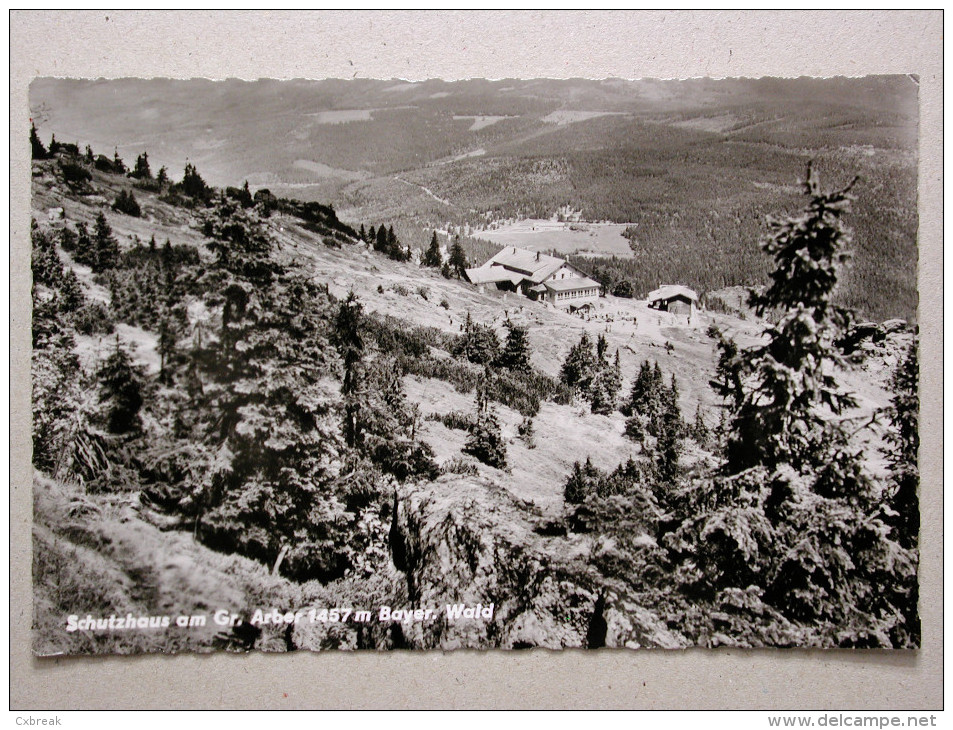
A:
221	423
693	166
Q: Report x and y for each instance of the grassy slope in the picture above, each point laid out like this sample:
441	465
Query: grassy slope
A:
564	434
96	554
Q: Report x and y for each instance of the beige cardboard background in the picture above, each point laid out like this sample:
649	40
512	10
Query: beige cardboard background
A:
460	44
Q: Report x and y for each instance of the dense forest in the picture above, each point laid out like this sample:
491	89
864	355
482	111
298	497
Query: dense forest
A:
277	428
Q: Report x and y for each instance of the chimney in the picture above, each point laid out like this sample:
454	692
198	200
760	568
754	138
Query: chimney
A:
537	255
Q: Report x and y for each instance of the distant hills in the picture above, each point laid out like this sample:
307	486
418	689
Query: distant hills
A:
695	164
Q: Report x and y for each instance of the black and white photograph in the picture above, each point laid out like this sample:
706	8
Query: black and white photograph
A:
337	365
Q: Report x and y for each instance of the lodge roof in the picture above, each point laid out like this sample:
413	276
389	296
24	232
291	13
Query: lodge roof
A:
672	291
533	265
571	284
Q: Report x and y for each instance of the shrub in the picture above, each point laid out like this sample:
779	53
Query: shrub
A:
93	319
527	432
126	203
624	290
478	344
456	420
74	173
459	465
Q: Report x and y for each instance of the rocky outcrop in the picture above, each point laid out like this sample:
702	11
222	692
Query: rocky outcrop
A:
466	542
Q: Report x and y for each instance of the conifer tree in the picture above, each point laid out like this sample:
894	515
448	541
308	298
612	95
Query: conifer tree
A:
38	150
584	481
44	261
795	521
904	437
778	420
192	183
126	203
105	247
118	165
458	259
380	243
120	391
432	257
485	441
580	366
350	343
393	245
515	353
606	385
478	344
602	346
84	251
669	446
141	171
699	431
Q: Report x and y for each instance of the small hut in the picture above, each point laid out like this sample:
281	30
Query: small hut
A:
674	298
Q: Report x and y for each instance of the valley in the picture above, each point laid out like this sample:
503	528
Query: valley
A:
252	397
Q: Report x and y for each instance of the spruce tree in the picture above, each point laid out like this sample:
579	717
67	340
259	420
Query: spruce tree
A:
380	243
584	481
84	251
699	431
126	203
669	446
432	257
118	165
350	344
141	171
193	185
485	441
478	344
38	150
44	261
580	366
780	419
904	438
515	353
120	391
795	522
458	259
105	247
393	245
602	346
606	385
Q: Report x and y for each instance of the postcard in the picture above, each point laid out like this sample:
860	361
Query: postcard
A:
336	365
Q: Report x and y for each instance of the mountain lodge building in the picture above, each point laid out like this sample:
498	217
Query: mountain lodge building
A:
676	299
536	275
